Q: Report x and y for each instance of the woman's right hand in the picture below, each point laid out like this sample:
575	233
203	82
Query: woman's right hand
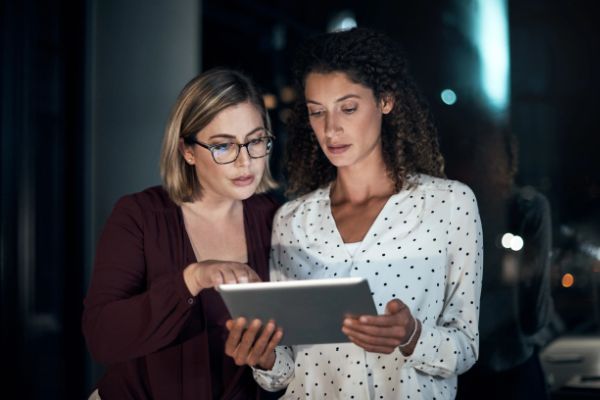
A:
251	345
210	273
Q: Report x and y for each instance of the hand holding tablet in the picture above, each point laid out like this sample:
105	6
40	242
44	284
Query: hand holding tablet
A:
249	343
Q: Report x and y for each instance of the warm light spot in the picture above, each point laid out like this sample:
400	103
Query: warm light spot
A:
285	114
270	101
288	94
567	280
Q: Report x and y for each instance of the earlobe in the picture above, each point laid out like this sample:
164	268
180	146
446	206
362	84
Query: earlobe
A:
185	152
387	104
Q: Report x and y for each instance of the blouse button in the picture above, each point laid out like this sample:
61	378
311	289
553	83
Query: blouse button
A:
190	300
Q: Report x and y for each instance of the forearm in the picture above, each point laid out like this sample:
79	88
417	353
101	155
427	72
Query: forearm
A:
119	328
444	351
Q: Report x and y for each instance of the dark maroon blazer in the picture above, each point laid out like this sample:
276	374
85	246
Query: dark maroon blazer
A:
140	320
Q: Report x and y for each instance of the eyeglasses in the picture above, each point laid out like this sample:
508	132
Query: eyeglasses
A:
226	153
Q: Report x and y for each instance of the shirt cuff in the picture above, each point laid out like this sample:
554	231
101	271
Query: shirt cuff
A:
277	377
426	350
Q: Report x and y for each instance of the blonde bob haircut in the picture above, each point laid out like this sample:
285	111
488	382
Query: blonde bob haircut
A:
198	103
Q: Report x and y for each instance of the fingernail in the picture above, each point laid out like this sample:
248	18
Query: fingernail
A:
243	279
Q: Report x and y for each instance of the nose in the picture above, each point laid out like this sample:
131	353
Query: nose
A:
332	127
243	158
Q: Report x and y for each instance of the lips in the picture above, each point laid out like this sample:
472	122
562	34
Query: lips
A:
243	180
338	148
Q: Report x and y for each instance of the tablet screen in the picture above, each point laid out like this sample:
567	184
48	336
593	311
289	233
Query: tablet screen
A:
309	311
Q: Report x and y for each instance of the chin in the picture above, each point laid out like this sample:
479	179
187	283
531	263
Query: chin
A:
340	162
242	193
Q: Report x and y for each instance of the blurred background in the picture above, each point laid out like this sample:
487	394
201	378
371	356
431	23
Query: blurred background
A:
87	87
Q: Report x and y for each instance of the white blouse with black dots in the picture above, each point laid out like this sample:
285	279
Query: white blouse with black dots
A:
424	248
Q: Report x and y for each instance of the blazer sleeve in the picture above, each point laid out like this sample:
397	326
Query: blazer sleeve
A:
127	315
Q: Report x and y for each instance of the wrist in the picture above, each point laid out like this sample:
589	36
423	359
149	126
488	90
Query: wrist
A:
409	345
189	277
269	364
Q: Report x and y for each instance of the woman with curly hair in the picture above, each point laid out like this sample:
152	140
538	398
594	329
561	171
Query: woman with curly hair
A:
373	202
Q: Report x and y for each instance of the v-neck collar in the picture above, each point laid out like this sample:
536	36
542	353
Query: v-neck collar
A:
189	253
364	242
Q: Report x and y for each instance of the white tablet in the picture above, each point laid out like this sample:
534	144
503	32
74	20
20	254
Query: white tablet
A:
309	311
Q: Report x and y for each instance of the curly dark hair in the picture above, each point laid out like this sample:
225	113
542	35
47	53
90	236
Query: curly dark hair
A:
370	58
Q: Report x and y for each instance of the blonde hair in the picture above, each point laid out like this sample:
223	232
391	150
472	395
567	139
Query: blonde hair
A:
197	105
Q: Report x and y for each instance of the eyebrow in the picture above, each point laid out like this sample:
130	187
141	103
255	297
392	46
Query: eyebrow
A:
228	136
348	96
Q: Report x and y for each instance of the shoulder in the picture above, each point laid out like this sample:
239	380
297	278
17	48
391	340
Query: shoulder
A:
316	198
529	198
448	188
529	204
154	199
263	204
133	211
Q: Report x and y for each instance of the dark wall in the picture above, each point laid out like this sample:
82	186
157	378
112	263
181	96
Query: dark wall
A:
86	89
42	198
556	59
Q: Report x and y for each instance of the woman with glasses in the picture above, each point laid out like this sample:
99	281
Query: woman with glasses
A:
151	314
364	159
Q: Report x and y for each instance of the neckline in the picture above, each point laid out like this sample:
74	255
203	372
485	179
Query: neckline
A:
365	238
377	218
190	254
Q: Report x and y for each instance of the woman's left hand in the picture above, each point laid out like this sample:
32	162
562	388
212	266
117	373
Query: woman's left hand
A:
384	333
248	344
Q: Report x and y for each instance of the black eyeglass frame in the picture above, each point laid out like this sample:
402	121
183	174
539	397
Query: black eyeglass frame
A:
191	140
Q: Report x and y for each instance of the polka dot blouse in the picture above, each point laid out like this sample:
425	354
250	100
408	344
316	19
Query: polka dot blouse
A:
424	248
